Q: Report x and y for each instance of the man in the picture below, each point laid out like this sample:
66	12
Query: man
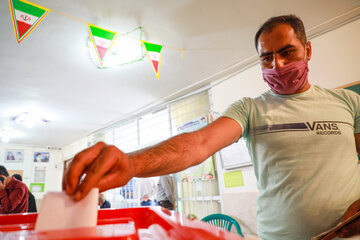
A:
146	191
165	192
103	203
14	194
303	141
32	202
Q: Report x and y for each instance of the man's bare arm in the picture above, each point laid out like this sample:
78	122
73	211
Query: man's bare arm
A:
107	167
185	150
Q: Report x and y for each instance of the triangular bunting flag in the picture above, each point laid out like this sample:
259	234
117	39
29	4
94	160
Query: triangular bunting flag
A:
26	16
153	51
102	40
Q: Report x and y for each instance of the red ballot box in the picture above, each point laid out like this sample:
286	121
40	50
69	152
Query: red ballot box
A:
128	223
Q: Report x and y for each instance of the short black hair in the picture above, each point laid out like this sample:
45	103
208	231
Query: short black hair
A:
18	177
3	171
292	20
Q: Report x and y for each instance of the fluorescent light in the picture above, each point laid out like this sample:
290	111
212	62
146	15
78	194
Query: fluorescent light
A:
29	120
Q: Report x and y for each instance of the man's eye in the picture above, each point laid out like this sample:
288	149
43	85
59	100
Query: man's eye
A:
286	53
267	59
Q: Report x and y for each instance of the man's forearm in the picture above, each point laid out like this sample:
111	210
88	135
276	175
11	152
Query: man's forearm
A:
173	155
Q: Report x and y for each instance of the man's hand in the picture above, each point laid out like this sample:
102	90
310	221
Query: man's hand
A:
352	228
105	167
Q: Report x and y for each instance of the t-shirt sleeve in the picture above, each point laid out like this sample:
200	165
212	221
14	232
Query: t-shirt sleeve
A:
357	116
354	99
239	111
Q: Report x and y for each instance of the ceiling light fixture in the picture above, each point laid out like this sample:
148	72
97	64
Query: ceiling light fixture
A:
29	120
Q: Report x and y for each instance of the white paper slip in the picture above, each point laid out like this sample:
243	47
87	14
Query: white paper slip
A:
60	211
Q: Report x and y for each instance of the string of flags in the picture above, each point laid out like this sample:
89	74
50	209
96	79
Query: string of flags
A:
27	15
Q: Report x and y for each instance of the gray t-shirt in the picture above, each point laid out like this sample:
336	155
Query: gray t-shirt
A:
305	159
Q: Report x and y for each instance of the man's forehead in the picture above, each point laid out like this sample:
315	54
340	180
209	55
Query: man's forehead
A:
277	38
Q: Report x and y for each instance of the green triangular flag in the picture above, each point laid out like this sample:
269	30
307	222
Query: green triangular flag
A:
25	16
102	40
153	51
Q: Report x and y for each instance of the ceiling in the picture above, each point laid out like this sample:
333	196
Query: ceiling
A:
51	72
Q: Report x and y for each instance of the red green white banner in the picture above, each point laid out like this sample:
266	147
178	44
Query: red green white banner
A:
102	40
153	51
25	16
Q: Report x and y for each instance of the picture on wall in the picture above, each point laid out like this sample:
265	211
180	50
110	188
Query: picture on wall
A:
14	155
37	187
12	172
41	156
39	174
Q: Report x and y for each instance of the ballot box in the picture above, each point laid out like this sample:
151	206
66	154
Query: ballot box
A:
129	223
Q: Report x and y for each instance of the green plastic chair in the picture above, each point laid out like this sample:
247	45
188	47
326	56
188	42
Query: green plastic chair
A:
223	222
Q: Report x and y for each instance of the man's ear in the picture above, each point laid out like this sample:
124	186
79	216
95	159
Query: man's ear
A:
308	50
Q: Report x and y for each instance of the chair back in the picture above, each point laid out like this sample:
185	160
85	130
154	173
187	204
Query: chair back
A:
223	221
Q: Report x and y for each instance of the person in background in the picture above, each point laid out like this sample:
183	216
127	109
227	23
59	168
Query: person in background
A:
303	140
165	192
14	195
146	191
32	202
103	203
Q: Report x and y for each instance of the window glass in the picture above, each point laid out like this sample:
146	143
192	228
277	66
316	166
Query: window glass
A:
154	127
126	136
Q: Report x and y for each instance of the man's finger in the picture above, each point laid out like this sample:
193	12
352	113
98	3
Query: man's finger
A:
111	181
349	230
78	165
103	164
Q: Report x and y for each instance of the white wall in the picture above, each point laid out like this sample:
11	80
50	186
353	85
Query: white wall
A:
53	172
335	57
334	63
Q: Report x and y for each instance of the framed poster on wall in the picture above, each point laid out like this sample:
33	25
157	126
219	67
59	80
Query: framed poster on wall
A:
20	172
14	155
41	156
235	155
37	187
39	174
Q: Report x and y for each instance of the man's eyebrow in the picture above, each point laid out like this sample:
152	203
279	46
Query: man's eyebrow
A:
280	50
285	48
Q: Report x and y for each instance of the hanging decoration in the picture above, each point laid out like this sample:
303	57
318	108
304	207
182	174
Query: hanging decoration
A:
153	51
25	16
102	40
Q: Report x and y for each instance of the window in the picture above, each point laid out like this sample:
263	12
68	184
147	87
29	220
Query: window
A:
154	127
126	136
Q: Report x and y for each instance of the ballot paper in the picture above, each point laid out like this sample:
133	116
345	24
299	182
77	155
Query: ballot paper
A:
328	235
59	211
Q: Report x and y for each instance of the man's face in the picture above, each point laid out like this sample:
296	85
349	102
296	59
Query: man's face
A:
281	46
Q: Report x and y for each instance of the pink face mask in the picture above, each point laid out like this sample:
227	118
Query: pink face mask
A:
288	79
